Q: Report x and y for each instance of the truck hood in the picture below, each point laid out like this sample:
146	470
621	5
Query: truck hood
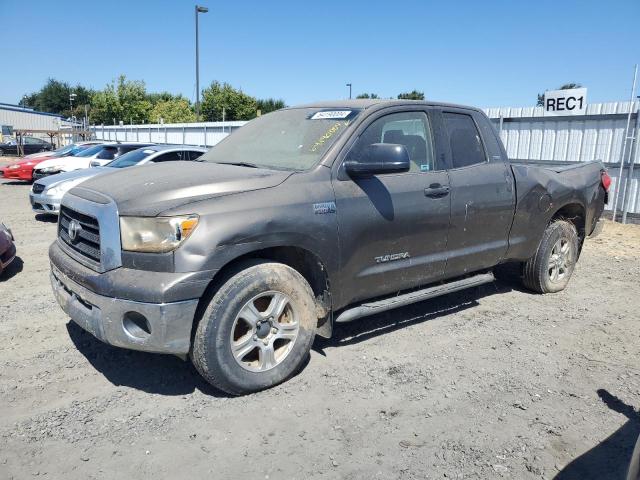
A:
154	189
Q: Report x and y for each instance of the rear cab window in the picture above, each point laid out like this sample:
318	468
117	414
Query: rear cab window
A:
464	140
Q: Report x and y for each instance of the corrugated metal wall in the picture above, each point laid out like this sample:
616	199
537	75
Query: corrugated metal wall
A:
25	119
598	135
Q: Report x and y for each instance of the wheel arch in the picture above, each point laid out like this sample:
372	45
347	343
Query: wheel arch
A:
304	261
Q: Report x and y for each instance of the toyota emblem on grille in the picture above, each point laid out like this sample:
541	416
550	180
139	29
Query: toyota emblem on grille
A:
74	229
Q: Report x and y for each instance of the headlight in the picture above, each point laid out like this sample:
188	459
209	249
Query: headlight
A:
155	234
60	189
13	167
55	168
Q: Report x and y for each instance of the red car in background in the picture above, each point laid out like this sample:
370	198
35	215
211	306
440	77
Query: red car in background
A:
23	169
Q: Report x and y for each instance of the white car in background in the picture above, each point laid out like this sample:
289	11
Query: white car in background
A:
46	193
106	152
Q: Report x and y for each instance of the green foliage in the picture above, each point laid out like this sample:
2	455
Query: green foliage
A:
237	105
124	100
176	110
128	101
268	105
566	86
413	95
368	95
54	98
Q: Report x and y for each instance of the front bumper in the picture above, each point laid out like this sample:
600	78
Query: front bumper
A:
7	256
44	203
18	174
38	174
150	327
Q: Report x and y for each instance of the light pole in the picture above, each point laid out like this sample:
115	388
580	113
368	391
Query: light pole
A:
349	85
72	96
199	9
71	99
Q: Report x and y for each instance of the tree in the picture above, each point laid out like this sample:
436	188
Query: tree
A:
566	86
53	97
125	100
177	110
237	105
368	95
268	105
413	95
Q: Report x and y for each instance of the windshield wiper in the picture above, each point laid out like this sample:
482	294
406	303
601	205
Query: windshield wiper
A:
240	164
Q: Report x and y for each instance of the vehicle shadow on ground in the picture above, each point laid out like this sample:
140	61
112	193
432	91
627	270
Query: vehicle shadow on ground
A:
12	270
43	217
149	372
15	182
367	328
610	458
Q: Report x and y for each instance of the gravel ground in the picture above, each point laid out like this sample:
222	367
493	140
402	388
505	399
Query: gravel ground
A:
493	382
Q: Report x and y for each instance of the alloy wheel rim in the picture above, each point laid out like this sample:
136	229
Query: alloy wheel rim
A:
264	331
560	260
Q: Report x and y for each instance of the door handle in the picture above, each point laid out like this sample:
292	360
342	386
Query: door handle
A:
435	190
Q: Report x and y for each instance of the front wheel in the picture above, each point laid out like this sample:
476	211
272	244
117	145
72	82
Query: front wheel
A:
550	269
257	330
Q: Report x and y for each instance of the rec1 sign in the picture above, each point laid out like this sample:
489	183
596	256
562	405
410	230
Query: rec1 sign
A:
565	102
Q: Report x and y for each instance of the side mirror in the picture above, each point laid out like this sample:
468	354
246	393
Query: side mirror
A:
378	158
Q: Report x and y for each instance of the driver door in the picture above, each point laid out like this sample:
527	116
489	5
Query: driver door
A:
393	227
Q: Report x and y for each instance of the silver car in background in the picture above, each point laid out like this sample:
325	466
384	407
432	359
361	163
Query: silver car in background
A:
46	193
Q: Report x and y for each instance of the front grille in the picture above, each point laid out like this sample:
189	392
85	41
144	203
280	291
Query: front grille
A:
87	241
38	188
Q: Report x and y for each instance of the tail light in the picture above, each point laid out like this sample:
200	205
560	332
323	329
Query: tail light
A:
606	181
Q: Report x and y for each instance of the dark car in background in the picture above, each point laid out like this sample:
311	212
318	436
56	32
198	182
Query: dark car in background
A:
7	247
30	145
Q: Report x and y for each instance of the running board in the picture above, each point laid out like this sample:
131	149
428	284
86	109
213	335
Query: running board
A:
372	308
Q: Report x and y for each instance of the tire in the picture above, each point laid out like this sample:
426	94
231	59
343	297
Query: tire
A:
550	269
268	350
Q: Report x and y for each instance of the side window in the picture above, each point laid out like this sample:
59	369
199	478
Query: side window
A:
466	146
169	157
410	129
193	154
490	137
107	154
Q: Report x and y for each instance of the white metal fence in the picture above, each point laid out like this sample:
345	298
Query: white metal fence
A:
598	135
205	134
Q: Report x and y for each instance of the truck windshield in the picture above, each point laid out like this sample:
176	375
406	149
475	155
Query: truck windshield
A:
290	139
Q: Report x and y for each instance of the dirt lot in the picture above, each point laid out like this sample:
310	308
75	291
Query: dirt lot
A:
493	382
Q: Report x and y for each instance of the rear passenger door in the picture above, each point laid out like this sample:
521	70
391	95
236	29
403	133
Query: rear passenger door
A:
482	193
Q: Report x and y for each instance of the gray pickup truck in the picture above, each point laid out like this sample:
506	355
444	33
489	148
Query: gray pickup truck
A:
308	217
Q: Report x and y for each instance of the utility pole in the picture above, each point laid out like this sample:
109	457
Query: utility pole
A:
199	9
624	146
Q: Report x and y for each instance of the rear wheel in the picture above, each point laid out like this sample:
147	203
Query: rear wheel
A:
550	269
257	329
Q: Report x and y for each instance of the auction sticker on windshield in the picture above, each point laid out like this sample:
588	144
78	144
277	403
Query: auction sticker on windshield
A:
331	114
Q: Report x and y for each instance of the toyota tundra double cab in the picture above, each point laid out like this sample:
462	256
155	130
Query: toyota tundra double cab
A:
308	217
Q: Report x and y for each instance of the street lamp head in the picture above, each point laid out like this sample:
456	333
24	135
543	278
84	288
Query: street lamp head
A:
200	9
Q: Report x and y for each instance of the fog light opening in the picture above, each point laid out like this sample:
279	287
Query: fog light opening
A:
136	325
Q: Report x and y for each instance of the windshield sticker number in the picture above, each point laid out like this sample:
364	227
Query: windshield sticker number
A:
327	135
331	115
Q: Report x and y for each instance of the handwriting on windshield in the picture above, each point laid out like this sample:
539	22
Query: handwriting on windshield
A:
326	136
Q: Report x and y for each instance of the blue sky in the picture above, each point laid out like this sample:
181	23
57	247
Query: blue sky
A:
483	52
